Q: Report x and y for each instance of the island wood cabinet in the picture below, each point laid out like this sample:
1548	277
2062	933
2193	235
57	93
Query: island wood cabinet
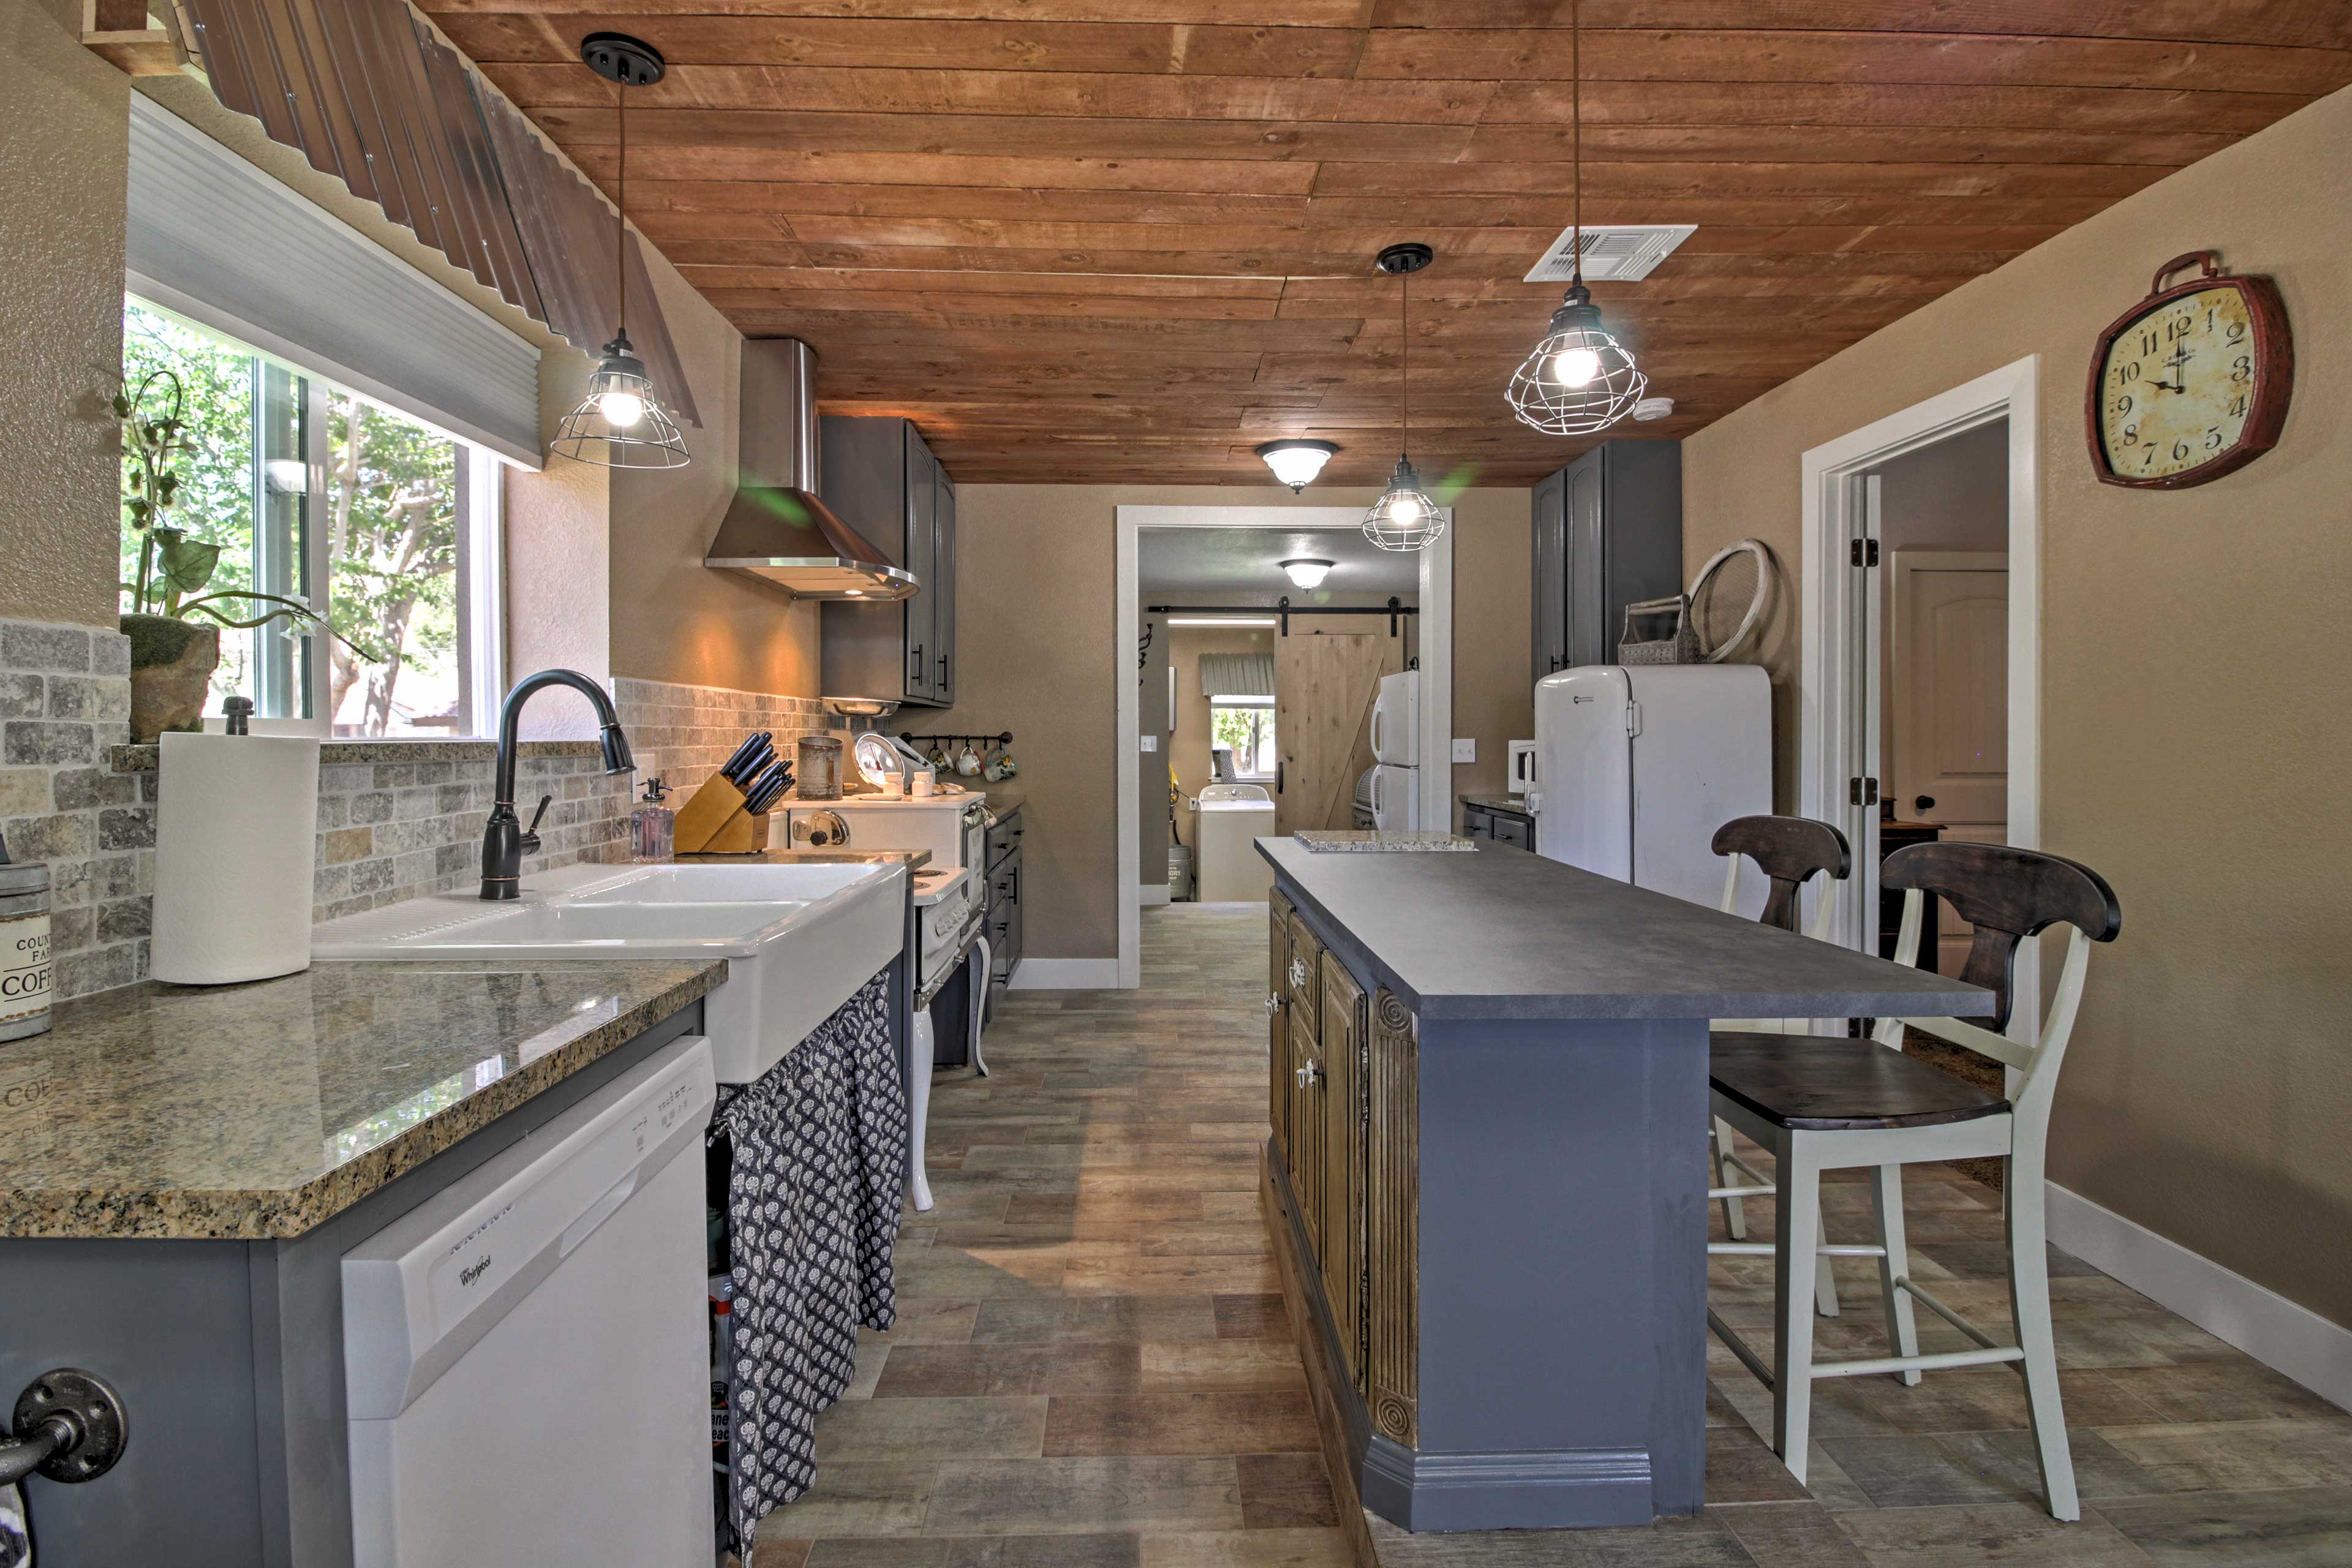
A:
1341	1091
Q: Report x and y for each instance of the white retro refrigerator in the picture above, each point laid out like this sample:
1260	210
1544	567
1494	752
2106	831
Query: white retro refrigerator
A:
1636	767
1396	757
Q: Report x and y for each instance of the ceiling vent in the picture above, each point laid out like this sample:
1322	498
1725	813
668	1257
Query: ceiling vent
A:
1622	253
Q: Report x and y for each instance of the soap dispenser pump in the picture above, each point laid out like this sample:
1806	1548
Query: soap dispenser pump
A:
653	826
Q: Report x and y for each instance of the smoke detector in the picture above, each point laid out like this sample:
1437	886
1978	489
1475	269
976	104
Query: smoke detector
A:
1650	409
1619	253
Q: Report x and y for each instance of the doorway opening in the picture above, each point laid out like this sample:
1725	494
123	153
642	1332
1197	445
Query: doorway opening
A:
1254	697
1919	685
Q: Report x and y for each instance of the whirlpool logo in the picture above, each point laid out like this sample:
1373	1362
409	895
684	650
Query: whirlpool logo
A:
474	1270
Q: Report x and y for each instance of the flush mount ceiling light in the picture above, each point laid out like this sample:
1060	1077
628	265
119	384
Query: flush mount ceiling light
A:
1307	571
1296	462
1578	379
1404	517
621	423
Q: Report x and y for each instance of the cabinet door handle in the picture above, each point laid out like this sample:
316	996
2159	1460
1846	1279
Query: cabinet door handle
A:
1273	1002
915	663
943	669
1308	1075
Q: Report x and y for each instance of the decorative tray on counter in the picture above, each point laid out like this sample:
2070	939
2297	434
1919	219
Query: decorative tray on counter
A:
1326	841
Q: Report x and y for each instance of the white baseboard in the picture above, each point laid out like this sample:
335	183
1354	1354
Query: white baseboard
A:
2289	1339
1151	893
1066	974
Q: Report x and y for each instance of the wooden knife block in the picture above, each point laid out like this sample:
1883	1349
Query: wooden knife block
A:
713	822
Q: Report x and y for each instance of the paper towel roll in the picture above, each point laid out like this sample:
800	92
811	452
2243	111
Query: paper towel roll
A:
235	841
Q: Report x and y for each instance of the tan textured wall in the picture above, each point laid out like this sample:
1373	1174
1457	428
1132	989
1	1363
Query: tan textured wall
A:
64	159
674	618
2193	685
1034	629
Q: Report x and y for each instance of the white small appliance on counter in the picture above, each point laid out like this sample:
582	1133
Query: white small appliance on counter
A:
1637	766
1396	752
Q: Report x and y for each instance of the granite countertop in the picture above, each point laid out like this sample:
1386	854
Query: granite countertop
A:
1516	805
1505	934
257	1112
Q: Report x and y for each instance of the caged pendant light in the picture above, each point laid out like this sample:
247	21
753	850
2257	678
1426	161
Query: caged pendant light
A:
1404	517
621	423
1578	379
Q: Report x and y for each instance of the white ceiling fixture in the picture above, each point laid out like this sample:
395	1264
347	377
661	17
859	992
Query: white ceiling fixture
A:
1622	253
1650	409
1307	571
1297	461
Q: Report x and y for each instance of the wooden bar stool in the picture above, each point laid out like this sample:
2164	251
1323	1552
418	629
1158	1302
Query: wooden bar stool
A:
1791	851
1819	1104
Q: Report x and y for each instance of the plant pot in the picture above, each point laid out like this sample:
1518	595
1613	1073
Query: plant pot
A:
172	665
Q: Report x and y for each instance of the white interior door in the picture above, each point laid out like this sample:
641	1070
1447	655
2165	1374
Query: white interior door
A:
1948	702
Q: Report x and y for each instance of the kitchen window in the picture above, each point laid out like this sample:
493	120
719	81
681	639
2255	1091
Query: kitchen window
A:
1246	724
383	525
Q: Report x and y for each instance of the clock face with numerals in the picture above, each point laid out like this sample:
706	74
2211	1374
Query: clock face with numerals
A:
2189	384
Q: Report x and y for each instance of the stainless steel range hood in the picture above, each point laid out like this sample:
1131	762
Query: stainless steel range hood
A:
776	529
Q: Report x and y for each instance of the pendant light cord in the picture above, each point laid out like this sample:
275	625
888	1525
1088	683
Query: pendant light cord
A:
1404	319
1576	145
621	207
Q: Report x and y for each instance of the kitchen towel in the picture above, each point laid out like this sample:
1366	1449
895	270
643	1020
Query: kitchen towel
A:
820	1146
235	841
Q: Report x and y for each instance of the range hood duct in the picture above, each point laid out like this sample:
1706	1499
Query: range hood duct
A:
776	529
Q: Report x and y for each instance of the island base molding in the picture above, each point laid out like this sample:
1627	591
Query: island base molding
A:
1430	1492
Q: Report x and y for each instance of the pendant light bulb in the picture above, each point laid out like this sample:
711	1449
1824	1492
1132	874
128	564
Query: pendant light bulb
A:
1576	366
1580	378
621	423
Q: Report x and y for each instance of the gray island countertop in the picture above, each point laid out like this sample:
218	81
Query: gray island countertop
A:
1506	934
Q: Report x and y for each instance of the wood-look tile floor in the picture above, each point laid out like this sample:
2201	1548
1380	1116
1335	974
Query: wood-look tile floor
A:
1092	1368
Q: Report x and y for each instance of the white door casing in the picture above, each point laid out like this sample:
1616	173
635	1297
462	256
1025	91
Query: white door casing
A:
1837	693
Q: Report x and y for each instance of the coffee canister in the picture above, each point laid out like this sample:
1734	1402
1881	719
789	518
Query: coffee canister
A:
25	979
819	769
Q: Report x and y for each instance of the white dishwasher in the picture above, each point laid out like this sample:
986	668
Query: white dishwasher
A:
525	1353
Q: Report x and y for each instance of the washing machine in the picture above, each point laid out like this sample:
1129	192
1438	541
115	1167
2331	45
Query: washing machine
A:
1230	868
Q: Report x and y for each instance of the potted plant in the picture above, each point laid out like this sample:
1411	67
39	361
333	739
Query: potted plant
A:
174	624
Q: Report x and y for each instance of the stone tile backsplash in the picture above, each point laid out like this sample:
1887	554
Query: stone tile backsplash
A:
684	732
65	705
396	819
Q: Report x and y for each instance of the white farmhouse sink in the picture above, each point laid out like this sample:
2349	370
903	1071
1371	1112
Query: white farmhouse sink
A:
799	939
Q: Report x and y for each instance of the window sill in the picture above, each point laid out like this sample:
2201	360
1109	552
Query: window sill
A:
145	759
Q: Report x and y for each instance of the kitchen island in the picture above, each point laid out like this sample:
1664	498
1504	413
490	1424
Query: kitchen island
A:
1487	1176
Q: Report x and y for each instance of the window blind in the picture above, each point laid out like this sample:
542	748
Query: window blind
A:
214	239
1237	675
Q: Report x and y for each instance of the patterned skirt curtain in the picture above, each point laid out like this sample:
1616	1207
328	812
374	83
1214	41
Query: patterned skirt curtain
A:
820	1147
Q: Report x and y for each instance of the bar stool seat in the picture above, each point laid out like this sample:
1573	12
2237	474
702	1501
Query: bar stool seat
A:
1823	1083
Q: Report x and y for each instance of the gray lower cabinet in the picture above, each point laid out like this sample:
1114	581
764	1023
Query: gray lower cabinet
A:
881	478
1608	531
1005	893
1515	828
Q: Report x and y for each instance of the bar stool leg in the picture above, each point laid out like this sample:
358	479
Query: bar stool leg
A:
1902	1327
2028	1299
1825	1301
1735	1217
1797	1232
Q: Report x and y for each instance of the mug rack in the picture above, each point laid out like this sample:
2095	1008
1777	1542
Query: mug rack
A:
1003	738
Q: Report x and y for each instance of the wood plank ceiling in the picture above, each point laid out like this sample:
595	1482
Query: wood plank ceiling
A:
1097	240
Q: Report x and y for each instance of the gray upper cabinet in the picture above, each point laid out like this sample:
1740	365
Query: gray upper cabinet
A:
882	480
1608	532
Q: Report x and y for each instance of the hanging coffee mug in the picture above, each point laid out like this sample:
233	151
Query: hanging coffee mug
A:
968	761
